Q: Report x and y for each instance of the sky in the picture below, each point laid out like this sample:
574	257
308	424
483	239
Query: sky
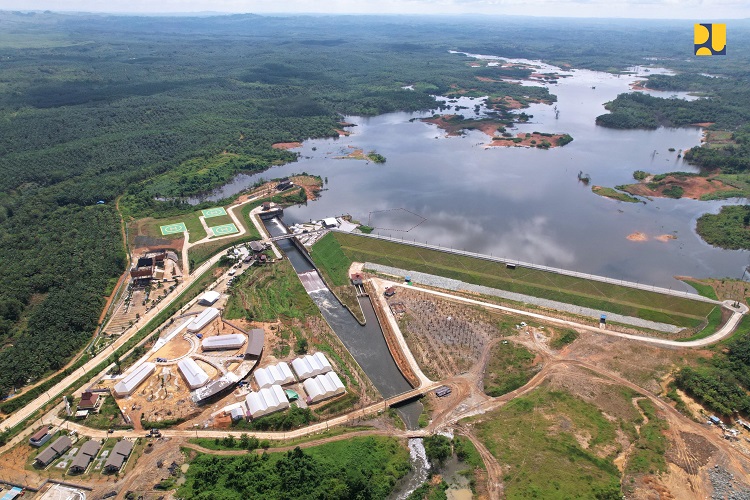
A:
703	10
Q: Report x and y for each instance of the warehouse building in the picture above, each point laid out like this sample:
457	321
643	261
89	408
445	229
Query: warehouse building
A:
278	374
192	373
255	343
203	319
323	387
118	456
209	298
60	446
311	365
85	456
223	342
136	377
266	401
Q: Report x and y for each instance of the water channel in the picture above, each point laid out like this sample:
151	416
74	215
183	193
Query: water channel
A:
520	203
365	343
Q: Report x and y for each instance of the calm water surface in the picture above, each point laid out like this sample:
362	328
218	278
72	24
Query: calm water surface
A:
522	203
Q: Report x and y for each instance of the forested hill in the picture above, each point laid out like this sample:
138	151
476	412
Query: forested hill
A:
93	107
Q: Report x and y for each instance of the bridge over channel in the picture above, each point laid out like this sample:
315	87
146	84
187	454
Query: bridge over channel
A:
292	235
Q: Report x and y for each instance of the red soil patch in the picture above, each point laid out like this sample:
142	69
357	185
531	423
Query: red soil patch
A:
637	237
286	145
702	124
664	238
693	187
343	132
485	79
638	85
526	141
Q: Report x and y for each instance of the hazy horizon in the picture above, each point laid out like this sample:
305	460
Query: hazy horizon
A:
705	11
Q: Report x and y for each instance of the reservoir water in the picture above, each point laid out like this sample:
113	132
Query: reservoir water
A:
521	203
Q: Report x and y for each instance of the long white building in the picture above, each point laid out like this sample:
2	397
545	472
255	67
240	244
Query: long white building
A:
130	383
194	375
278	374
311	365
266	401
203	319
223	342
323	387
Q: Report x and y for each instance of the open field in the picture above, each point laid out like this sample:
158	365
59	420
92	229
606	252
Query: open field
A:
552	445
446	338
152	228
510	366
604	296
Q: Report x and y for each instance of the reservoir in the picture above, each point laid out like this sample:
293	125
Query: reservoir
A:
520	203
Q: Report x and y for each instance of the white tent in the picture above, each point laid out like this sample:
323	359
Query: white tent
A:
193	374
203	319
223	342
209	298
135	378
266	401
279	374
323	387
311	365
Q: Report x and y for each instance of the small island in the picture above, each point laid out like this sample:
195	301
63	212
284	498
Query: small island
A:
614	194
679	185
456	125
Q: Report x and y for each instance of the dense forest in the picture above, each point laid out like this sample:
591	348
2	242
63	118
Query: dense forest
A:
723	381
362	468
154	109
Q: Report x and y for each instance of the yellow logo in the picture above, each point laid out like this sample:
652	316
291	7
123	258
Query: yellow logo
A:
710	39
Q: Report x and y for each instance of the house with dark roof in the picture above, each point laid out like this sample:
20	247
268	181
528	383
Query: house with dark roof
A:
118	456
60	446
89	400
85	456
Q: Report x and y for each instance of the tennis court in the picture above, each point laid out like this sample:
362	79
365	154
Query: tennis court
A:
224	229
178	227
213	212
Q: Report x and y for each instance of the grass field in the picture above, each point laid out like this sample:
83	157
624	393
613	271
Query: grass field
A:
330	259
176	228
568	289
264	293
535	437
213	212
510	366
225	229
219	220
152	227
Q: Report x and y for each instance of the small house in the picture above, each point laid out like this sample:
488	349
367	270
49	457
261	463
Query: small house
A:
89	400
85	456
357	279
60	446
390	291
118	456
40	437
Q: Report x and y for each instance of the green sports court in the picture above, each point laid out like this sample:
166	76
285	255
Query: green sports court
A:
225	229
213	212
178	227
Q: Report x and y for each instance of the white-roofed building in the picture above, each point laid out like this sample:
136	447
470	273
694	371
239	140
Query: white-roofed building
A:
278	374
193	374
203	319
311	365
267	400
135	378
323	361
323	387
209	298
223	342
